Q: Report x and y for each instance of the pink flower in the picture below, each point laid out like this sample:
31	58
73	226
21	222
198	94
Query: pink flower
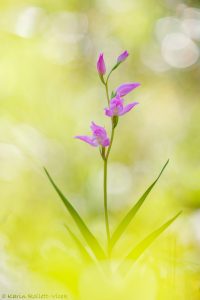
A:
122	56
101	67
126	88
117	107
99	136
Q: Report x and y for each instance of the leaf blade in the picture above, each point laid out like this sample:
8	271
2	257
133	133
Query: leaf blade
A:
80	246
88	236
139	249
132	212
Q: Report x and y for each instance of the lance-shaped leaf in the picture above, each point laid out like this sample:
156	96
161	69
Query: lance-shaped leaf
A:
80	246
139	249
132	212
88	236
113	94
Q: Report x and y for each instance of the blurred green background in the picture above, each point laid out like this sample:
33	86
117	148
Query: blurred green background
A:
50	91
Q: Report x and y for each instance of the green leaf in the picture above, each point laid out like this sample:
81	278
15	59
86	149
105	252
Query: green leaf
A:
113	94
138	250
88	236
132	212
80	246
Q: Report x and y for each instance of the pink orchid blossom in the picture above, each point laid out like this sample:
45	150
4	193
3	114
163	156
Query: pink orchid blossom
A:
101	67
99	136
122	56
126	88
117	107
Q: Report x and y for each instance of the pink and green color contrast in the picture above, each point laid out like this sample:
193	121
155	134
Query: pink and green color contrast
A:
116	104
99	138
116	108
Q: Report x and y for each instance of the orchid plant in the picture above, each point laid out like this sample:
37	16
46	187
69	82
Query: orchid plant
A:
116	108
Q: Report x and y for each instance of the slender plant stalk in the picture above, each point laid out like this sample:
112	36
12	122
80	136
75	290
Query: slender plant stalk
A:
107	92
111	142
105	157
106	205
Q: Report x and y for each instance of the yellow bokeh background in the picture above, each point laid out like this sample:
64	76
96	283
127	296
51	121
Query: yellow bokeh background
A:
49	92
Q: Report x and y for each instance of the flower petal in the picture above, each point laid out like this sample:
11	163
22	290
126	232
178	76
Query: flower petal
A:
127	108
122	56
97	130
108	112
94	126
106	142
101	67
87	139
116	101
126	88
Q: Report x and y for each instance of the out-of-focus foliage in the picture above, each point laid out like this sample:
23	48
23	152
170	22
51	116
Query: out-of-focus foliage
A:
49	92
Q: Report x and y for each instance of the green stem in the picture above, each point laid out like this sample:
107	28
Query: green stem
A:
106	205
111	142
105	156
107	92
108	76
106	193
117	64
